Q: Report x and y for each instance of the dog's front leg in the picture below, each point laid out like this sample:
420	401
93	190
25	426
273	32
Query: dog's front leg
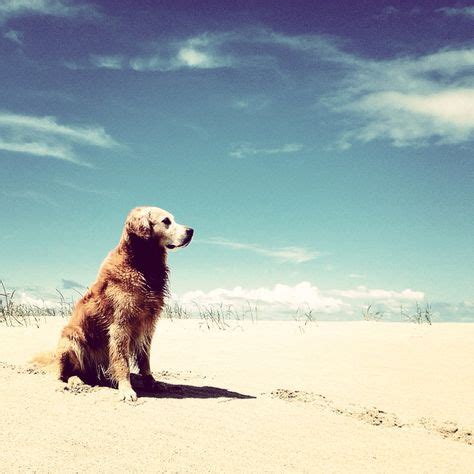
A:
119	354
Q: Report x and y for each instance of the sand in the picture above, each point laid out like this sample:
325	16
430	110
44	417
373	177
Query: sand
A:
257	397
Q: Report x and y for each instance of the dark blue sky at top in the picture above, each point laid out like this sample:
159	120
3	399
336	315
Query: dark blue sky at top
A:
376	28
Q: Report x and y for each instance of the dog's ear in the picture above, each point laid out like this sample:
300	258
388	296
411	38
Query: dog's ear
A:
139	224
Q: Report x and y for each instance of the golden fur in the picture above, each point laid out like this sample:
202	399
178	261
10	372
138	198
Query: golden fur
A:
112	325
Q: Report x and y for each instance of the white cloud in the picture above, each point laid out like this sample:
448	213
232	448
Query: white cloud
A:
255	48
184	58
194	58
95	136
283	299
356	275
461	11
107	62
387	12
243	150
454	107
14	36
61	8
22	297
148	63
284	254
206	51
444	62
279	298
45	137
408	101
362	292
201	52
39	149
446	117
250	104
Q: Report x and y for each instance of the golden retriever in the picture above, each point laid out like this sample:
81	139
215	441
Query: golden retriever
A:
112	325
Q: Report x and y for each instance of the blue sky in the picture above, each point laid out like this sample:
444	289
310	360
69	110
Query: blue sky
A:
321	150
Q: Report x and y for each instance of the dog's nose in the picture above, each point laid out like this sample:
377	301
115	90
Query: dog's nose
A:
189	232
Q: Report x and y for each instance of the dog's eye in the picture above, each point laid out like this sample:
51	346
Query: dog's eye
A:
166	222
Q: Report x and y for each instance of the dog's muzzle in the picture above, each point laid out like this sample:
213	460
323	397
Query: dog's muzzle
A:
185	241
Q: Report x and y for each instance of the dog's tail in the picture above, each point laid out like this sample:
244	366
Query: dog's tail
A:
47	361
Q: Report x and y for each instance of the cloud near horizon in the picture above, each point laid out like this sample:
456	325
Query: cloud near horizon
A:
282	299
45	137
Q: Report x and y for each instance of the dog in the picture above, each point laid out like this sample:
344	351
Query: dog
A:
112	325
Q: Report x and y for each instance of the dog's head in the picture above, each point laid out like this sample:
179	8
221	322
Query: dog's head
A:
153	223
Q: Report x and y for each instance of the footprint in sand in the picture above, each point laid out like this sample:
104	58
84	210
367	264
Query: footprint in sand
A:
377	417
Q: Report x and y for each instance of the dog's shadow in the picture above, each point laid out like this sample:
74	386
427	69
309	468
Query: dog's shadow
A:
170	390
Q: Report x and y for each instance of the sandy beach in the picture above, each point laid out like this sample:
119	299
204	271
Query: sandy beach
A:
257	397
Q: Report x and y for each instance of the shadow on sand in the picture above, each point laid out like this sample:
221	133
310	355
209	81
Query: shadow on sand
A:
170	390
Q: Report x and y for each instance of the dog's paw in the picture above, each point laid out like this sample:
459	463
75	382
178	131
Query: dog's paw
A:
127	394
74	382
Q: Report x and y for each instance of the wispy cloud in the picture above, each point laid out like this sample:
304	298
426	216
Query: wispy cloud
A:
107	62
45	137
457	11
40	149
31	196
49	125
408	100
250	104
71	284
201	52
405	118
356	275
241	151
60	8
82	189
231	49
387	12
284	254
405	100
14	36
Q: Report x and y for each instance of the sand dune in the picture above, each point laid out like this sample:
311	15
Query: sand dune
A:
258	397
